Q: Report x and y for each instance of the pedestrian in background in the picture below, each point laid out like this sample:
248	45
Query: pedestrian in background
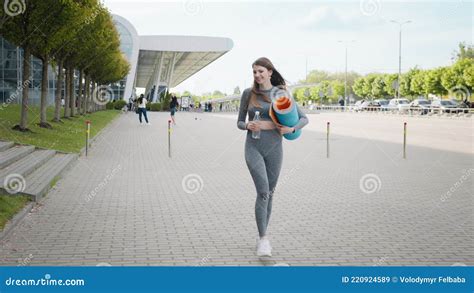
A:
142	109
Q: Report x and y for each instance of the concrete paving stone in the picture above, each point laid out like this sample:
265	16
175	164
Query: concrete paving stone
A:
125	203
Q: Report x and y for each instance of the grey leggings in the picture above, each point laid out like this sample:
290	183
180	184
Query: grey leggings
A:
264	158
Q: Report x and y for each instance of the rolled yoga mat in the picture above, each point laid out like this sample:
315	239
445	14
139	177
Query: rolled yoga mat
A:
283	111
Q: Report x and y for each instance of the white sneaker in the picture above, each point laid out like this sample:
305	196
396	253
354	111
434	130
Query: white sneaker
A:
264	248
148	123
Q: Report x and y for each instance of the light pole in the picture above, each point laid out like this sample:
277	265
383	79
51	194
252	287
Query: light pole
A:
399	53
345	76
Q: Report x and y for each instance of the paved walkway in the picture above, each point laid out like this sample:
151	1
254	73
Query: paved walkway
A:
129	204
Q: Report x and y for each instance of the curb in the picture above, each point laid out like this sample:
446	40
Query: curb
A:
17	218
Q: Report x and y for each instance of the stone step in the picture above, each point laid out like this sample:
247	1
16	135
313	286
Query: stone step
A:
14	153
4	145
39	182
26	165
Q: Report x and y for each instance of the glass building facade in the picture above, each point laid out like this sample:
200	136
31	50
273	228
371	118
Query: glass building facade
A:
11	65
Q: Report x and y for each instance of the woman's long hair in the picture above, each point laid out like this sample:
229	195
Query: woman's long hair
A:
276	80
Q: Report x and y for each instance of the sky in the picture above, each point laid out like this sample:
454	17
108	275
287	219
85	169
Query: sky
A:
304	35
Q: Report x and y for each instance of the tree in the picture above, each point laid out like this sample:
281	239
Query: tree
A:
417	84
217	94
465	51
432	81
299	94
237	90
406	81
450	79
369	80
317	76
337	90
18	29
359	87
77	15
468	76
322	91
378	87
390	82
53	34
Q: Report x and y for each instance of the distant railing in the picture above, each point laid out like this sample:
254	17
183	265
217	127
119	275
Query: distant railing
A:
411	111
395	110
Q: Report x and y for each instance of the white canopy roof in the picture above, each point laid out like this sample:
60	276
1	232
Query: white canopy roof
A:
189	53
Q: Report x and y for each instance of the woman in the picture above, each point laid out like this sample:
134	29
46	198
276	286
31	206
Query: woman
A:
142	109
173	106
264	155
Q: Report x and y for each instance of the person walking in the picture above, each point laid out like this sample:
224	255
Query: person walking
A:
130	104
264	155
142	109
173	106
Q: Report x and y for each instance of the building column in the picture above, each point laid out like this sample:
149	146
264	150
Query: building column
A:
157	79
171	71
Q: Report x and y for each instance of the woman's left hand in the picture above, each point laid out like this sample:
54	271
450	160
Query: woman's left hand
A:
285	129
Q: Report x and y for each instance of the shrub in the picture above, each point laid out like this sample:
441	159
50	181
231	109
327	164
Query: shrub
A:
155	106
118	105
109	105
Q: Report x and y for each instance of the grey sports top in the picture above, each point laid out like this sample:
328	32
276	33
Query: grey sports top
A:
264	110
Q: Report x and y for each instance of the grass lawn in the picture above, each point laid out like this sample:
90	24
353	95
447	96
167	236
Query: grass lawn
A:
9	206
68	136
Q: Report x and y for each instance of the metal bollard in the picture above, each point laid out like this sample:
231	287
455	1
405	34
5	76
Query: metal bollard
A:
327	141
169	138
88	132
405	140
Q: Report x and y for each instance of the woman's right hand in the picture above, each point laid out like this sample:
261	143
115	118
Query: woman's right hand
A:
253	125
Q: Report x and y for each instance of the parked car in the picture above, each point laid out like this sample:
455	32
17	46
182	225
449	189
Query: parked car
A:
421	105
382	103
445	106
401	104
371	106
358	105
464	107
